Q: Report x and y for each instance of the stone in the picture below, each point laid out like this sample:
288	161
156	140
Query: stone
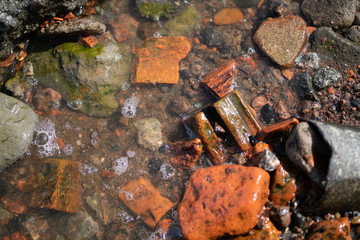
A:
5	218
46	100
301	83
14	204
268	232
36	226
266	159
17	124
57	185
149	133
333	45
19	18
228	16
327	77
283	187
267	113
308	60
330	13
145	200
247	3
182	24
258	103
154	9
102	207
353	33
276	128
281	215
217	200
282	39
80	226
211	36
330	229
156	60
185	154
281	111
119	32
180	106
78	27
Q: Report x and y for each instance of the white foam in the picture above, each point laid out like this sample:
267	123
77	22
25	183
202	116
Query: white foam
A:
121	165
129	108
167	171
49	148
68	149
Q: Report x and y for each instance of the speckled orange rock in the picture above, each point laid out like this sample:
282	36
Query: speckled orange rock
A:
269	232
156	60
283	187
224	199
228	16
145	200
186	153
330	229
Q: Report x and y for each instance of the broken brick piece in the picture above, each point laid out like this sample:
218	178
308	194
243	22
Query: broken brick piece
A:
14	204
58	186
220	80
89	41
119	32
156	60
330	229
223	199
146	201
268	232
186	153
283	187
273	129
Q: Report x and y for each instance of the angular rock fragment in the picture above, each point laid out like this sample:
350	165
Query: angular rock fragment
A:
282	39
228	16
149	133
81	226
283	187
268	232
327	77
217	200
102	208
186	153
330	229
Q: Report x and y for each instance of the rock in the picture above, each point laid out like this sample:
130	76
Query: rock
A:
154	9
309	60
77	27
353	33
5	218
301	84
156	60
268	160
267	113
119	32
258	103
80	226
87	78
46	100
17	124
20	17
217	200
145	200
228	16
247	3
283	187
36	226
211	36
333	45
19	84
330	13
281	111
327	77
101	206
268	232
149	133
183	24
302	148
186	153
282	39
281	215
180	106
330	229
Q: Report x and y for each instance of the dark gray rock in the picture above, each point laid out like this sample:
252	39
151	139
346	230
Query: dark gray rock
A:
211	36
330	13
353	33
21	17
81	226
301	84
326	77
333	45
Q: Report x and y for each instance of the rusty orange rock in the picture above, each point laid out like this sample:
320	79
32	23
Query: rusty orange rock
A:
268	232
119	32
186	153
257	150
228	16
217	201
283	187
330	229
89	41
277	128
145	200
156	60
14	205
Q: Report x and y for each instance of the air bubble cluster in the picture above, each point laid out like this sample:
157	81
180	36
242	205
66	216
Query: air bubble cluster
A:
130	153
129	108
167	171
68	149
121	165
45	138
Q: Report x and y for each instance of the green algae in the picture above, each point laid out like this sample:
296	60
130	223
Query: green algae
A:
77	49
155	11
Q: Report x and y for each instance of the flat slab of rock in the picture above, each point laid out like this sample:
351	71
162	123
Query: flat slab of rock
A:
156	60
228	16
17	124
224	199
282	39
330	13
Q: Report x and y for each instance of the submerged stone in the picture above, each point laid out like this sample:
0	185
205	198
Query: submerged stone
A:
81	226
228	16
87	78
154	9
330	229
149	133
17	124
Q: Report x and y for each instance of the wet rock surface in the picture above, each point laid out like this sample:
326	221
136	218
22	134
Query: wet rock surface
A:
327	77
149	133
81	226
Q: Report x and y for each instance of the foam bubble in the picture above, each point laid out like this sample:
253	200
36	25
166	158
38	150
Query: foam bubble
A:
121	165
45	138
129	107
130	153
167	171
68	149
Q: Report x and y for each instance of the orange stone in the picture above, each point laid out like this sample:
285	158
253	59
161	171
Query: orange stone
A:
14	205
156	60
330	229
268	232
287	73
186	153
277	128
228	16
89	41
283	187
145	200
119	32
223	199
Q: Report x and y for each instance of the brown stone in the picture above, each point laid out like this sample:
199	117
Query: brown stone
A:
46	100
268	232
156	60
119	32
14	204
281	111
228	16
258	103
283	188
217	201
330	229
186	153
282	39
145	200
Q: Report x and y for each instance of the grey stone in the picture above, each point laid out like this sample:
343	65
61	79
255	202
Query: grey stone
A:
357	19
17	124
327	77
102	208
77	27
36	225
333	45
330	13
309	61
353	33
20	17
81	226
149	133
281	215
268	160
301	84
211	36
247	3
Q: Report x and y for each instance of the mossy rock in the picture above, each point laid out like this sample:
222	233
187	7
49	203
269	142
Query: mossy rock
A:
90	76
155	11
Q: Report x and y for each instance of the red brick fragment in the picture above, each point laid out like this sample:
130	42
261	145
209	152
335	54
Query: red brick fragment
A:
330	229
276	128
89	41
186	153
119	32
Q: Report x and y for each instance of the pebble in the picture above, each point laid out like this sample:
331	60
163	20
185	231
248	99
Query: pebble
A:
283	187
217	199
258	103
302	84
281	215
46	100
211	36
267	113
327	77
228	16
309	61
282	39
149	133
81	226
354	33
330	229
281	111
